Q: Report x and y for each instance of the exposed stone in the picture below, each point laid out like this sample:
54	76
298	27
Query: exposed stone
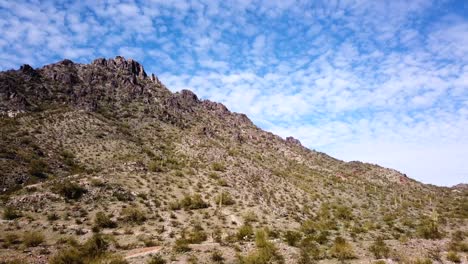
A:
293	141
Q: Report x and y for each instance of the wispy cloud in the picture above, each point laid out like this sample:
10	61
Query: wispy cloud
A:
379	81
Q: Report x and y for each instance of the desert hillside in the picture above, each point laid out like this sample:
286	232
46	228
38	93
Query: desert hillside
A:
101	163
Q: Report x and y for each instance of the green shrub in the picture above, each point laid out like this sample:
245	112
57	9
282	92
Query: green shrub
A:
70	190
224	199
33	239
9	213
292	237
344	212
429	229
423	261
94	250
193	202
309	249
341	249
134	215
265	253
156	259
101	220
308	227
181	245
69	255
53	216
217	256
245	232
453	257
38	168
218	166
155	166
197	235
95	246
10	239
250	217
379	249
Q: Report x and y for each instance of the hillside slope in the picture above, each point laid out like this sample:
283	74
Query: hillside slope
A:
103	153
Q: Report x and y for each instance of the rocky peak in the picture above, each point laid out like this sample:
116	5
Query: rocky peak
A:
120	63
293	141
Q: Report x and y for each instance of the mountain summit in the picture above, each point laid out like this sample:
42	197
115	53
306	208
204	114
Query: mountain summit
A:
101	162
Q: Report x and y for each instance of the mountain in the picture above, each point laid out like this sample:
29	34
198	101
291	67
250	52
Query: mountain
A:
101	163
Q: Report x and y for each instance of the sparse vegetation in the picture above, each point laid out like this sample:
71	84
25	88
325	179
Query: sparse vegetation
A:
224	199
10	214
342	249
453	257
70	190
380	249
292	237
33	239
133	215
101	220
266	251
156	259
245	232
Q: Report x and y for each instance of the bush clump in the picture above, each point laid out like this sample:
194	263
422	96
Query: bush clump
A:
453	257
33	239
133	215
342	249
429	229
102	220
224	199
379	248
70	190
94	250
197	235
265	253
217	256
38	168
193	202
9	213
245	232
292	237
217	166
156	259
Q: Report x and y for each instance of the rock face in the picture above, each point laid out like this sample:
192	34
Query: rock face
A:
293	141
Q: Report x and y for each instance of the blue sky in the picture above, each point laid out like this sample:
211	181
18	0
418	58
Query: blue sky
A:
379	81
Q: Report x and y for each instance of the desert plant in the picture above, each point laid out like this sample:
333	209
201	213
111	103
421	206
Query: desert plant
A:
95	246
69	255
217	166
156	259
9	213
133	215
70	190
292	237
265	253
197	235
33	239
429	229
217	256
94	250
38	168
181	245
379	248
341	249
453	257
101	220
224	199
245	232
193	202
